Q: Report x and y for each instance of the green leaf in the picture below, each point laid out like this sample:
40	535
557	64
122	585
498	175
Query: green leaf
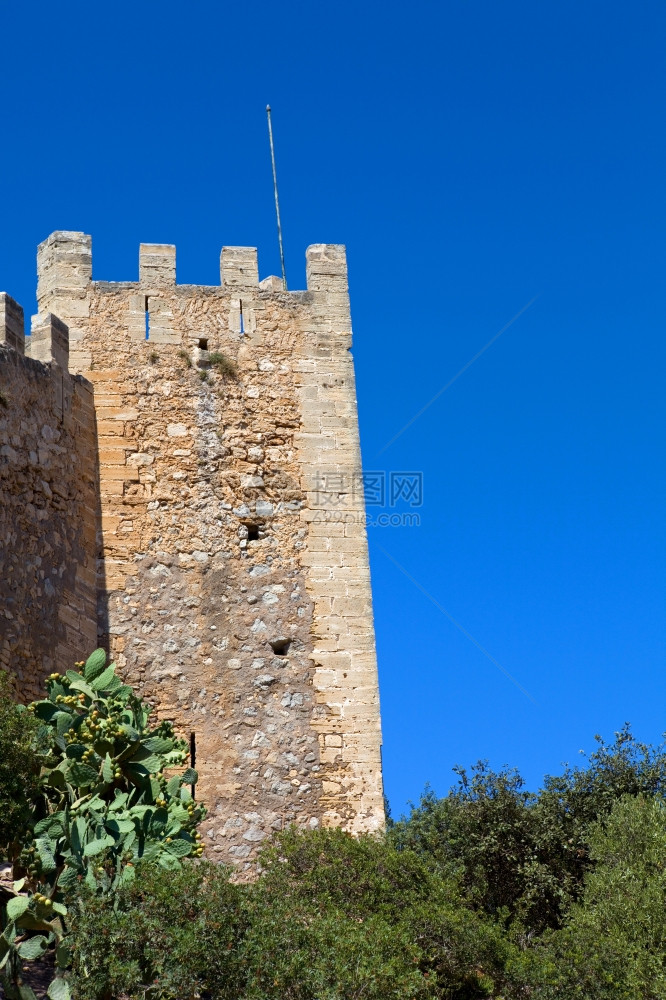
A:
119	800
95	664
51	825
150	762
77	834
136	773
33	947
63	955
46	710
63	721
97	846
19	885
128	840
189	777
156	744
44	849
173	784
104	679
69	878
107	769
168	861
56	779
60	909
77	683
25	993
151	852
75	751
179	848
159	819
82	774
59	990
118	826
17	906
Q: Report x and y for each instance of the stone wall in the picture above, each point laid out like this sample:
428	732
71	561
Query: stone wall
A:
48	504
233	577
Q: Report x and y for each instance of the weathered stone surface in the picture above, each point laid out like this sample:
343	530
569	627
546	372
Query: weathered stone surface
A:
48	519
233	584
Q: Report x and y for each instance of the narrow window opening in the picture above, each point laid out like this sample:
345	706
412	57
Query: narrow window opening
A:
193	756
253	532
242	321
147	310
203	344
280	646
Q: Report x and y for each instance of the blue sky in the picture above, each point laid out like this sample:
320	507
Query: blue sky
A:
472	155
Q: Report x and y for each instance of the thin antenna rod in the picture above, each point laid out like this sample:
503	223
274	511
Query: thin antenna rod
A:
277	202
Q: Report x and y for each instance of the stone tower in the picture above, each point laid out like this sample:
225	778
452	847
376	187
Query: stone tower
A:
232	583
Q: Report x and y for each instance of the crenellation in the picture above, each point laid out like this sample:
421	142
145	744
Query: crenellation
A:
12	329
157	265
49	340
239	268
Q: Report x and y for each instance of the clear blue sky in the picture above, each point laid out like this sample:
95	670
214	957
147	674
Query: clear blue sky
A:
472	155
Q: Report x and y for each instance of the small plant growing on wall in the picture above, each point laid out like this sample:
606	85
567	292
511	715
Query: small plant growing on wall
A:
223	365
4	400
184	356
109	796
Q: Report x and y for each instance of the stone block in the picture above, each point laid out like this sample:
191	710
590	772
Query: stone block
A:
12	333
238	268
49	340
157	265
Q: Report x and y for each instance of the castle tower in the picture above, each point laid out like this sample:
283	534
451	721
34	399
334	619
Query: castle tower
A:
233	575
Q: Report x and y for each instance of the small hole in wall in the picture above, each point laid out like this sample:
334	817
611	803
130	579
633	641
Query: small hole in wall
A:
253	532
147	311
203	344
280	646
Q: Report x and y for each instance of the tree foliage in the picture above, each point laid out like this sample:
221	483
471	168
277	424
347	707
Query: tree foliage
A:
612	945
523	857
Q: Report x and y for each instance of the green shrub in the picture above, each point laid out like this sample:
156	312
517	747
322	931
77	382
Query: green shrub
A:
172	938
337	917
19	768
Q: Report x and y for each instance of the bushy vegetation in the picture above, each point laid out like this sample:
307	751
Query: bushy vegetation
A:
488	892
99	798
19	768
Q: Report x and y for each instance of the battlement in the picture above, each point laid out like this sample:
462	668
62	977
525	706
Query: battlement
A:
64	269
49	340
50	336
12	330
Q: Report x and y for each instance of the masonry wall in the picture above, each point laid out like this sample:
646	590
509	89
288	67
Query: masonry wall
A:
48	505
233	578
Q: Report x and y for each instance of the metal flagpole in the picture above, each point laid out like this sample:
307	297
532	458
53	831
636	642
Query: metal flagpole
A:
277	202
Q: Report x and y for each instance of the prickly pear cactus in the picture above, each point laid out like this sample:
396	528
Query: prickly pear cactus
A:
110	795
